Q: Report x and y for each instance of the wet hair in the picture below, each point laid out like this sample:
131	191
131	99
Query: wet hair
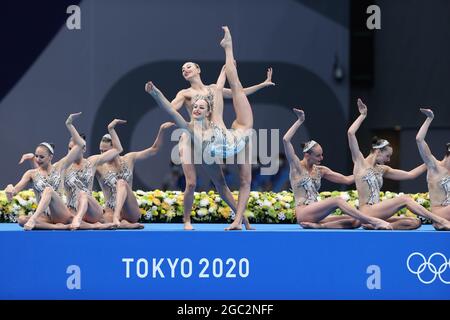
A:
379	144
46	145
447	149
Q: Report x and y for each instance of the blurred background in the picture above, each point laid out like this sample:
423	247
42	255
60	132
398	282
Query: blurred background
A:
323	55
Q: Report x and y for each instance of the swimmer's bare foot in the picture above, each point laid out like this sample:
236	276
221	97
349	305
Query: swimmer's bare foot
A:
62	226
379	224
116	222
247	224
234	226
367	226
30	225
104	226
128	225
226	41
76	222
442	227
188	226
311	225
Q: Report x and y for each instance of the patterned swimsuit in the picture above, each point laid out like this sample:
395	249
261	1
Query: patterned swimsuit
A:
445	183
110	181
40	182
76	180
310	185
374	180
224	143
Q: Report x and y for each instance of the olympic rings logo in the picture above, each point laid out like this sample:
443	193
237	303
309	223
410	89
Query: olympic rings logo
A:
427	264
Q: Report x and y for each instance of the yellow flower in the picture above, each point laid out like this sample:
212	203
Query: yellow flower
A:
143	212
165	206
288	199
170	213
158	193
225	212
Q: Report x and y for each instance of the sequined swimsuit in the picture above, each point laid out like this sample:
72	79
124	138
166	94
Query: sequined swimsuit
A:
445	184
224	143
110	181
310	185
76	180
374	180
40	182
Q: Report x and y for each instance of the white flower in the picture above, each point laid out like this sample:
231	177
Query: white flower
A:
204	202
390	195
420	200
154	208
267	203
232	215
140	192
21	201
169	201
287	205
254	194
345	196
400	194
281	216
212	209
356	203
202	212
259	202
217	199
148	215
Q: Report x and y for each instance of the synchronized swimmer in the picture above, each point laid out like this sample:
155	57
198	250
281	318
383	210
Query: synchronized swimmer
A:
207	134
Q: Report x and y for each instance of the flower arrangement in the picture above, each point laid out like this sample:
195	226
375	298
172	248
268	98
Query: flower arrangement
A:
167	206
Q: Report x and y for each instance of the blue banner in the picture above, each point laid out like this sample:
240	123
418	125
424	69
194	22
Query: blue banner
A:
274	262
